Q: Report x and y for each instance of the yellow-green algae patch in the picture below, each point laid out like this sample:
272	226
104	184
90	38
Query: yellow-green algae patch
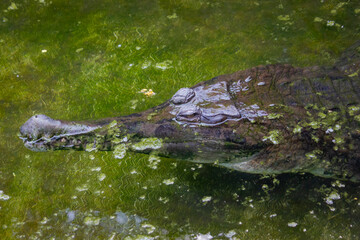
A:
148	143
275	116
297	129
354	110
90	147
313	155
274	136
151	115
113	128
284	17
91	221
120	151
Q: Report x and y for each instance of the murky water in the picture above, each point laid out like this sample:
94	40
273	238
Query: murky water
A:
79	60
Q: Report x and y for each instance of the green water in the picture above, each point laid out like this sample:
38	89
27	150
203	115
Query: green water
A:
89	59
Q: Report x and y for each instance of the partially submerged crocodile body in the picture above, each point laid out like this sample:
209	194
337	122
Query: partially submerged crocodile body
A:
267	119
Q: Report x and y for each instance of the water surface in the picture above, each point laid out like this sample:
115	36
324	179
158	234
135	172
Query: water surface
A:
78	60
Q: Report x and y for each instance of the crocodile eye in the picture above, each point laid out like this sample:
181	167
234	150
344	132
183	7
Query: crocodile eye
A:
189	111
213	119
189	114
184	95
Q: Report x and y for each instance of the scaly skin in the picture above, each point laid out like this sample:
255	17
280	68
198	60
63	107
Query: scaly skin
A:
287	119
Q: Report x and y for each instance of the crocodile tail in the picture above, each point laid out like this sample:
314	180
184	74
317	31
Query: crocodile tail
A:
349	61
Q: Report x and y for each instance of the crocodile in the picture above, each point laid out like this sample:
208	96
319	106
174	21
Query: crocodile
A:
265	120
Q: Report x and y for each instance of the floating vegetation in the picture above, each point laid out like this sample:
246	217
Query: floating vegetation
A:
318	19
274	116
292	224
147	92
83	188
146	64
148	143
173	16
169	181
164	199
206	199
274	137
79	61
284	17
164	65
153	161
12	6
101	177
91	221
3	196
79	50
120	151
96	169
333	196
328	23
149	228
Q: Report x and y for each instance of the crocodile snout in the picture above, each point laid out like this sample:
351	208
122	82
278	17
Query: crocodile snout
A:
41	133
39	126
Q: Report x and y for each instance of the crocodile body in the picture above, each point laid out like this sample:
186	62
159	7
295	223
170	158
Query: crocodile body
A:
267	119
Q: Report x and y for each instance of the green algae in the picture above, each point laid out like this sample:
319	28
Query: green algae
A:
90	147
284	17
274	136
120	151
65	82
315	125
274	116
147	143
151	115
297	129
355	74
314	155
318	19
353	110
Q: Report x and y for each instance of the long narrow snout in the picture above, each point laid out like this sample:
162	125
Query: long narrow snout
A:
40	126
40	131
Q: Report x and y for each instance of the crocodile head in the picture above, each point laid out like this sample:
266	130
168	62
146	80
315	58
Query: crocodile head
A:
161	135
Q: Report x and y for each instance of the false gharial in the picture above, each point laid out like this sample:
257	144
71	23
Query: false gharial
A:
266	120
